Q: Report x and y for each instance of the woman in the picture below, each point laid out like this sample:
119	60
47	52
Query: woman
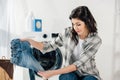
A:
81	42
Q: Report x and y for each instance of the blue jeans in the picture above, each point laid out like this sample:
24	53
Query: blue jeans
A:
74	76
22	55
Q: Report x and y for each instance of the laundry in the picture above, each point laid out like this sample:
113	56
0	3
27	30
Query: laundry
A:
22	55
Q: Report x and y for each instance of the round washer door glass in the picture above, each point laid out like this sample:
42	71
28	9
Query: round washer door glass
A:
49	61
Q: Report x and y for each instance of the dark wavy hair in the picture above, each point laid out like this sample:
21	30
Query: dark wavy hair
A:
83	13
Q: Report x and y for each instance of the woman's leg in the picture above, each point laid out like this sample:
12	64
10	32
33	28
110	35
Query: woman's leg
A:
68	76
89	77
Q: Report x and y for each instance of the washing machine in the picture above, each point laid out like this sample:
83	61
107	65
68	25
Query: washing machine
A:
49	61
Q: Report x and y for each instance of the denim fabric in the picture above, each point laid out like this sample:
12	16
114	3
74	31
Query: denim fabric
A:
22	55
68	76
89	77
31	74
74	76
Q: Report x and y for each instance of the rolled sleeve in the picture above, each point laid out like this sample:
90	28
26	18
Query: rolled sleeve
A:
52	45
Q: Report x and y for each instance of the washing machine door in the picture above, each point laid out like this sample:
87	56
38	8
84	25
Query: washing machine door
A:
50	60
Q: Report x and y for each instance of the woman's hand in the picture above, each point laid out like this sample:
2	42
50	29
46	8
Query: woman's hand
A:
50	73
46	74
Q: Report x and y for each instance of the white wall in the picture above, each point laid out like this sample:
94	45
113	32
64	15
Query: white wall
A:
55	16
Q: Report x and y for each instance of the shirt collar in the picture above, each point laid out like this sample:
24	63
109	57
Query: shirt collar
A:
90	35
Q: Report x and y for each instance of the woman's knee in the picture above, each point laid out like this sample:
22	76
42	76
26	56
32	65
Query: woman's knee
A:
89	77
68	76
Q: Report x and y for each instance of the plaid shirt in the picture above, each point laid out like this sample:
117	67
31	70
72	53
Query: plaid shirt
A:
86	62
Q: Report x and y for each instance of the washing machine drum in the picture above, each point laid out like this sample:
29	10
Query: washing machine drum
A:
49	61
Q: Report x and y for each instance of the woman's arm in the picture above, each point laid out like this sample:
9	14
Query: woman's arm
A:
67	69
50	73
37	45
